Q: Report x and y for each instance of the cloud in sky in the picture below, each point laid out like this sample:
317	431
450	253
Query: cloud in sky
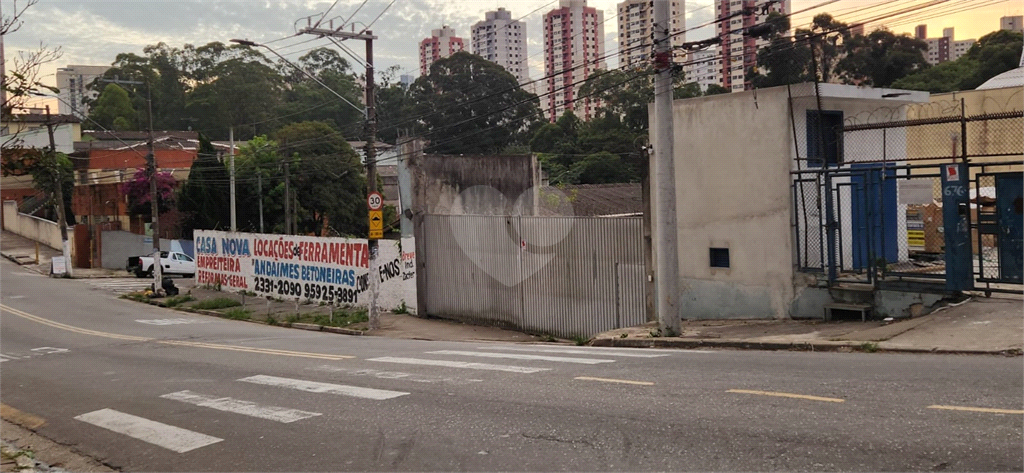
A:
94	32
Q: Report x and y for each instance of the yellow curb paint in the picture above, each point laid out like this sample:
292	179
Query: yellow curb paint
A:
609	380
212	346
23	419
790	395
978	409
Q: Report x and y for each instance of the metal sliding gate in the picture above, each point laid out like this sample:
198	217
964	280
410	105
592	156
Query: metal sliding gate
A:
564	276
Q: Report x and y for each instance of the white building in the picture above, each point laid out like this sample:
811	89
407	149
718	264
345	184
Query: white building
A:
943	49
704	67
502	40
73	82
738	52
635	20
1012	23
573	48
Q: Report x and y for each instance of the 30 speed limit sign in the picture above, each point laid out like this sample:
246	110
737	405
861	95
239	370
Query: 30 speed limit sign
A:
374	201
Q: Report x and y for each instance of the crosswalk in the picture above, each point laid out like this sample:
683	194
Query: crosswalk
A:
121	286
529	359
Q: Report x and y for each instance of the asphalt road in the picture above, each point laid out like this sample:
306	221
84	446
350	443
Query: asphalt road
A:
148	389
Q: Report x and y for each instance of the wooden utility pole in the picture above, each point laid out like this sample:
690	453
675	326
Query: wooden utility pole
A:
59	190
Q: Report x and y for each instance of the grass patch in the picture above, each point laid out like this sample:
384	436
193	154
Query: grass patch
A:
580	340
343	317
869	347
178	300
402	309
217	303
238	314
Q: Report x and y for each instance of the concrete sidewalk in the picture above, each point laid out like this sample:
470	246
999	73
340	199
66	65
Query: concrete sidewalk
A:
978	326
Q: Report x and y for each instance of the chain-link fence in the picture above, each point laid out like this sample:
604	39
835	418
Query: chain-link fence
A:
877	215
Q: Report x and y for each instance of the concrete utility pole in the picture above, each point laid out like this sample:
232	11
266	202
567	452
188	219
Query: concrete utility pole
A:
371	154
154	196
59	190
231	134
666	290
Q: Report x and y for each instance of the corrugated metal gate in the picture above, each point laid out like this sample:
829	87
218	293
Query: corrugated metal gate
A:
566	276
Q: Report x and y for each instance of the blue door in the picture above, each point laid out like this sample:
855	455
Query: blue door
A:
1009	199
873	214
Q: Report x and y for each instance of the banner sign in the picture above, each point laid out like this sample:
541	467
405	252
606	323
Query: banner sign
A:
318	269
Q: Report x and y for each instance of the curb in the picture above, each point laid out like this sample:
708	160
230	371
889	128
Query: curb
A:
296	325
823	346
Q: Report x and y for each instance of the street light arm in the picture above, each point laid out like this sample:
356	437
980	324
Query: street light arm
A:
245	42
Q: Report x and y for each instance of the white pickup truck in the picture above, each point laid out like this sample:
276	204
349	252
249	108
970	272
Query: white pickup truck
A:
171	263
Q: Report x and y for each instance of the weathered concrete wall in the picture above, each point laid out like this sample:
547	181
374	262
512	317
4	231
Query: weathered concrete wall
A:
118	245
473	185
732	162
34	228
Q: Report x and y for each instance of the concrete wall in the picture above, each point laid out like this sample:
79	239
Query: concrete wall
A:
34	228
732	162
118	246
473	185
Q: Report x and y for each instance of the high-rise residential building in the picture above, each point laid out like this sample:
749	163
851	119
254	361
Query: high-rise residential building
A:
1012	23
945	48
739	52
573	49
636	17
73	82
704	67
441	44
502	40
406	80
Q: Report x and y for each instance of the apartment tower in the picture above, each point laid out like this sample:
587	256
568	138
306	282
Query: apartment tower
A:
636	18
738	52
573	49
502	40
441	44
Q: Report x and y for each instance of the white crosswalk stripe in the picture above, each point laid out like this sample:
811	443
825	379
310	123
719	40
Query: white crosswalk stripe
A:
515	356
624	352
458	364
167	436
318	387
227	404
121	285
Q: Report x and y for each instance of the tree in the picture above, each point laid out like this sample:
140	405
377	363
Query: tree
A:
260	186
326	176
240	90
306	100
206	197
140	195
48	172
990	56
715	89
880	58
599	168
111	105
469	105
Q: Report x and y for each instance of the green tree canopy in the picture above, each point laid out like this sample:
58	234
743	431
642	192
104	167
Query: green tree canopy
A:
992	55
111	105
205	198
327	178
881	57
470	105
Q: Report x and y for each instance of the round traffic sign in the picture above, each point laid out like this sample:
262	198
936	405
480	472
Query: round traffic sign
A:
374	201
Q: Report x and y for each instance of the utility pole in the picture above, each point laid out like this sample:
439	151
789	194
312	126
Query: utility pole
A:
666	290
371	155
259	192
59	190
231	134
287	202
154	197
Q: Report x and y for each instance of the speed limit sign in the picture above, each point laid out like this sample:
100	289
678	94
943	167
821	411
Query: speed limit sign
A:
374	201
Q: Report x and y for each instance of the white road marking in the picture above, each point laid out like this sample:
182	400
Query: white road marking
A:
562	359
122	286
171	321
582	351
162	435
227	404
317	387
6	357
49	350
416	378
458	364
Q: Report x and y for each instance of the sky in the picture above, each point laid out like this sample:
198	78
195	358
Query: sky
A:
93	32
